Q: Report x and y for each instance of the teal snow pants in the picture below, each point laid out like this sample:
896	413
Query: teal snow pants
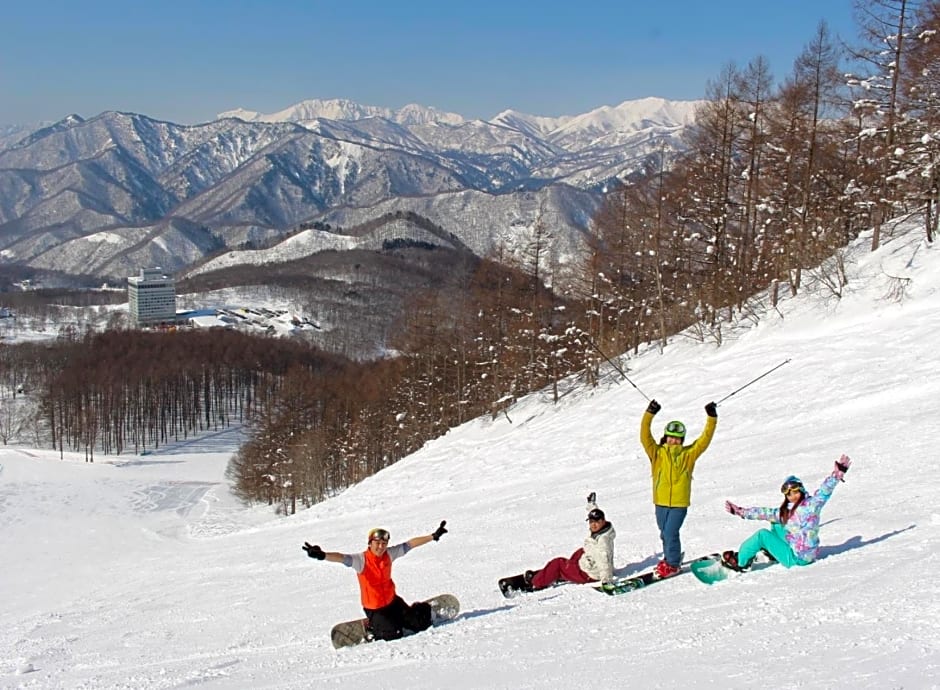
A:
774	540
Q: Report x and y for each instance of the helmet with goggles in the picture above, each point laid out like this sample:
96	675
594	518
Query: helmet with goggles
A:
675	429
378	534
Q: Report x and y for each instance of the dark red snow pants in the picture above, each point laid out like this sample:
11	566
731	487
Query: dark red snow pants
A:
565	569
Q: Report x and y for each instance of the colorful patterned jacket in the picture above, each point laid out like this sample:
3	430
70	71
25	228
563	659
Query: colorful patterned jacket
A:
802	528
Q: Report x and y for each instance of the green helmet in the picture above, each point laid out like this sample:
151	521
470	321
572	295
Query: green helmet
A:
676	429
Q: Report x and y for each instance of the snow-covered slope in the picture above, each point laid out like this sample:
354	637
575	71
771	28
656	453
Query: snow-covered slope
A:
141	572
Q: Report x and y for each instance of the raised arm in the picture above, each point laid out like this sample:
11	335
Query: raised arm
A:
768	514
646	436
824	492
434	536
314	551
711	421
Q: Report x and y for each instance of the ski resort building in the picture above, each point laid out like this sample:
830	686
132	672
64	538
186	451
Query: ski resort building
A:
151	298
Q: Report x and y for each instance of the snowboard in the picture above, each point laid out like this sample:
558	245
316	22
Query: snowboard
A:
444	607
710	569
624	585
510	586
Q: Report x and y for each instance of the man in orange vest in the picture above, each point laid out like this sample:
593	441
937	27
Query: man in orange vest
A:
387	613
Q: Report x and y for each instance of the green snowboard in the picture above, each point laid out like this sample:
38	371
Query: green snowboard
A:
710	570
444	607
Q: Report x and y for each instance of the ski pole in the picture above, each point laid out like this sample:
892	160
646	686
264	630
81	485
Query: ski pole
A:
627	378
752	381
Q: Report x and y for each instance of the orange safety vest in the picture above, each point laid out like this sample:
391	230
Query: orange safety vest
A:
375	581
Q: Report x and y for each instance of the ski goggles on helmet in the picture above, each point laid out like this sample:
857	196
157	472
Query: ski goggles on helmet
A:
792	486
676	429
379	535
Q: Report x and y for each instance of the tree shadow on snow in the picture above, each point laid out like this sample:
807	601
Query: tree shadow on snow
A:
145	463
227	440
857	542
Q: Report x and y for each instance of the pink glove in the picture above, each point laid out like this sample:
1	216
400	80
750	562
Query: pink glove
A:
733	509
841	467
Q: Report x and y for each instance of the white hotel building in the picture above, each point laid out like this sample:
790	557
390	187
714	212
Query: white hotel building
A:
151	298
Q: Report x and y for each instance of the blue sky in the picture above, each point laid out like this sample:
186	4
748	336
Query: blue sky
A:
187	61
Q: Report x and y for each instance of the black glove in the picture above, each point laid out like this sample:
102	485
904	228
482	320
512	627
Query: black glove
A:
440	531
592	497
653	407
314	551
711	409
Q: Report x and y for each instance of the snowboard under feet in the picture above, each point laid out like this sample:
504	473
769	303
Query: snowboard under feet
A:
444	607
710	569
624	585
511	586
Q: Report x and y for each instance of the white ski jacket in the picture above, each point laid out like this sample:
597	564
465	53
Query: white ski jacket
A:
598	557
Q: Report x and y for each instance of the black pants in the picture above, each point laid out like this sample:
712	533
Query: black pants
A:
389	622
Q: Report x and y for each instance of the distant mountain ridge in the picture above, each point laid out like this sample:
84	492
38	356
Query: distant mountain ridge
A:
628	116
342	109
107	195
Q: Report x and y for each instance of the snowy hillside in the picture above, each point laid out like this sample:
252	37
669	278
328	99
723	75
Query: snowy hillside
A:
143	572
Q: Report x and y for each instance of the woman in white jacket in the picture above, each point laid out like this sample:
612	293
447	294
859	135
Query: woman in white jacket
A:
594	562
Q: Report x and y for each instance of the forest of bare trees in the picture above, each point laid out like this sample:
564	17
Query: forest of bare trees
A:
779	174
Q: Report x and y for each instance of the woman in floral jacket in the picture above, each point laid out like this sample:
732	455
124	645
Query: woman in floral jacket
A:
793	538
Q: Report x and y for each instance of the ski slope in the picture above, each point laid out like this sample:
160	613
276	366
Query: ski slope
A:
145	573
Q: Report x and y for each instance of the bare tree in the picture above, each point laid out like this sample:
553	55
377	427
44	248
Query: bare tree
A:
919	90
804	164
885	36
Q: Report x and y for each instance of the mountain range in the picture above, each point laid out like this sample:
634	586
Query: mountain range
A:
104	196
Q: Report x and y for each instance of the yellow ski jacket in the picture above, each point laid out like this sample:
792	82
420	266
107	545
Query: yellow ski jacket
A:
672	465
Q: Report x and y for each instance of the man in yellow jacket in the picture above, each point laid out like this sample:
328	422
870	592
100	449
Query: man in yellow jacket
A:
672	463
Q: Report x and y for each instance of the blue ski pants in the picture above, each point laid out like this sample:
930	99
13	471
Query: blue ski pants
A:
669	520
774	540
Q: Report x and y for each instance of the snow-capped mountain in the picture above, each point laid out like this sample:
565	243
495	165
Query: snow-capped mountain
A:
106	195
342	109
534	125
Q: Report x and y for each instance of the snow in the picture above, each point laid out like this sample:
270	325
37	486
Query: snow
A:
145	572
302	244
108	237
343	109
630	116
